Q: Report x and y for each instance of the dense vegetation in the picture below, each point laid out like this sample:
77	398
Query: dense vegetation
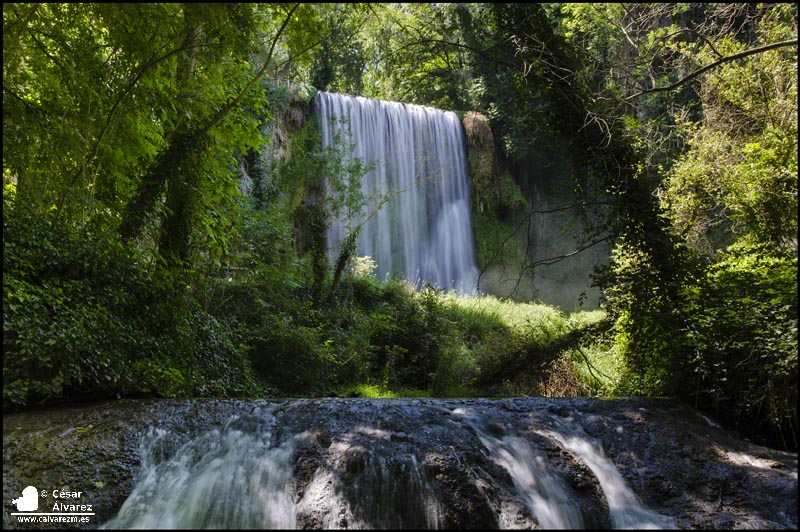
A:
134	265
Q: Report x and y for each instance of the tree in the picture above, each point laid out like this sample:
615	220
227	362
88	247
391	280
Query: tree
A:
738	178
192	144
109	107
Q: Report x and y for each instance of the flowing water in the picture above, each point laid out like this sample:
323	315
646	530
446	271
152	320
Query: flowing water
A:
543	491
416	157
381	492
369	464
226	478
627	511
240	477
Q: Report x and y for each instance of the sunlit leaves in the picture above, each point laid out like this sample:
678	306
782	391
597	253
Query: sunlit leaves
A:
739	177
91	94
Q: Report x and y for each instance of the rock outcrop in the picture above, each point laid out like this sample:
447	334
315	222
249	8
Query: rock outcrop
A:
401	463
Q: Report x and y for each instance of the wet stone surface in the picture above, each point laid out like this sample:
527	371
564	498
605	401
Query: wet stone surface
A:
418	463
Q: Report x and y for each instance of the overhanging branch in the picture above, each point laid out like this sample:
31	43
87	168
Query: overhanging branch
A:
527	219
726	59
549	261
234	101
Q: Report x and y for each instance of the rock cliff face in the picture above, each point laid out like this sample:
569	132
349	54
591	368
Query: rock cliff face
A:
530	204
415	463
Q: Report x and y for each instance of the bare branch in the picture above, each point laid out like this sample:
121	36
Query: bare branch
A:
589	366
549	261
527	218
715	64
230	105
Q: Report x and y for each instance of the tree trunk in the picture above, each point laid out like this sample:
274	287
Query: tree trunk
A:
175	164
182	181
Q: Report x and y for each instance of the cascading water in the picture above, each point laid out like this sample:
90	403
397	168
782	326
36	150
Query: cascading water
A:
240	477
226	478
416	155
543	491
627	511
426	463
371	492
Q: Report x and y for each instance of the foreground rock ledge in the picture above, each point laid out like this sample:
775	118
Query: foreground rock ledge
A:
677	462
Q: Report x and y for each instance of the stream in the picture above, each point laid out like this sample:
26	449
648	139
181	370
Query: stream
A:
399	463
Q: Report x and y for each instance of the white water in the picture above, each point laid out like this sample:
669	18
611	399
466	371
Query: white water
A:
395	494
229	478
542	489
625	508
235	477
423	233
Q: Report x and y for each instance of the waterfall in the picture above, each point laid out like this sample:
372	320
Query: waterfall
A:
226	478
416	158
541	488
625	508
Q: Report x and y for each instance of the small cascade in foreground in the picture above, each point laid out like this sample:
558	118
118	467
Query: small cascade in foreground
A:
240	477
368	490
393	492
417	156
335	463
226	478
542	489
627	511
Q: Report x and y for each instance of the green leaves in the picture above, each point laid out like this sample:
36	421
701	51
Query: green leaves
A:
743	331
93	93
738	179
84	316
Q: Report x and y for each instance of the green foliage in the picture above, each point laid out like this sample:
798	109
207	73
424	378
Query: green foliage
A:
646	327
599	367
84	317
86	79
313	168
293	355
386	333
420	65
741	331
728	342
319	184
375	391
270	314
715	323
386	336
738	178
502	346
260	237
340	63
112	109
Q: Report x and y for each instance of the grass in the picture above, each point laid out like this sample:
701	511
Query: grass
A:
598	367
493	347
375	391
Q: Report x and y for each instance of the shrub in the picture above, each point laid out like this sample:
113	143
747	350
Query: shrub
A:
727	342
742	335
85	317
